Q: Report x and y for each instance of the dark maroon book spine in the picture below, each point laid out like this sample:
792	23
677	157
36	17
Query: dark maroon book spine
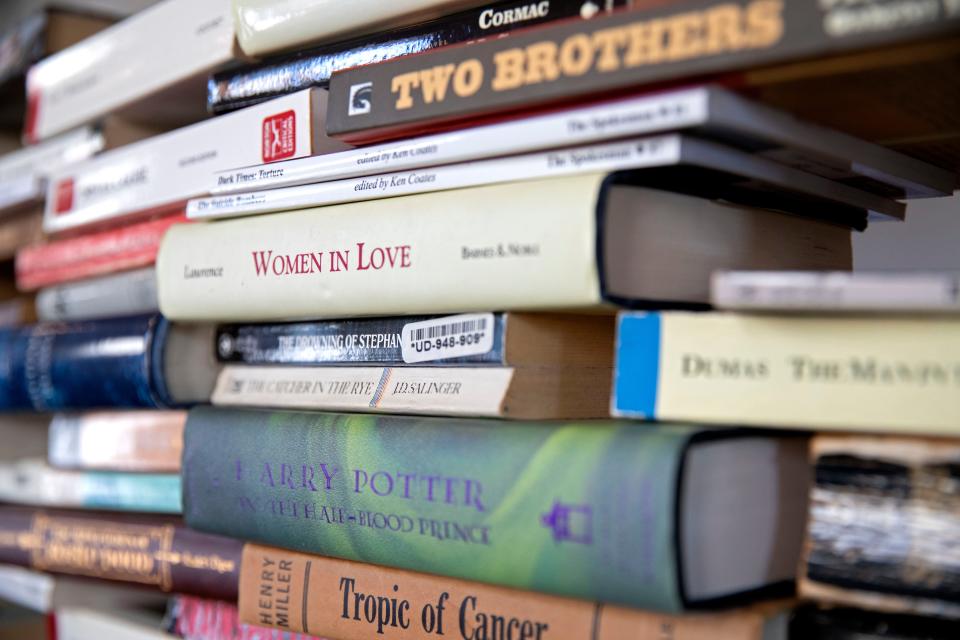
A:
155	552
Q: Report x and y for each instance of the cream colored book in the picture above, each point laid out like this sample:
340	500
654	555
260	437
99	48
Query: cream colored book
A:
575	242
265	26
884	374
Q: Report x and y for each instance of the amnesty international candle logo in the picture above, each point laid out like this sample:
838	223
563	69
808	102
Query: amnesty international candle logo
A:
279	136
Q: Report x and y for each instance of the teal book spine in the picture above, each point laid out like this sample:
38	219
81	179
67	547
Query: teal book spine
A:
587	510
145	492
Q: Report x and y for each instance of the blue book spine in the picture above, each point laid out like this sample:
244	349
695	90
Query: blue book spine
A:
637	370
79	365
144	492
365	341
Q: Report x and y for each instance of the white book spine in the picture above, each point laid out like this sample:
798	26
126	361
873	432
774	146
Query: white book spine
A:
166	170
122	294
30	589
632	154
168	43
836	292
620	119
477	391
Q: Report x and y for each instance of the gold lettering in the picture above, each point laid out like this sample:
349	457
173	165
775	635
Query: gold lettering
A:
468	78
764	22
576	55
434	82
509	72
541	62
608	43
685	36
723	29
404	83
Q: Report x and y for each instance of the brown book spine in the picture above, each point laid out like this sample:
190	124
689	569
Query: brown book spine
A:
623	51
336	598
155	552
149	441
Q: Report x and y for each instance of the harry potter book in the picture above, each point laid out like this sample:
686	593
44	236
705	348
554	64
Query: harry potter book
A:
599	511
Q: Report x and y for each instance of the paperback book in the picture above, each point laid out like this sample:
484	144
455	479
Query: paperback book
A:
706	111
673	162
141	441
121	294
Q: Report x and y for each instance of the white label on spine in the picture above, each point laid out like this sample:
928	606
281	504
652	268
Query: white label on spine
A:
470	334
475	391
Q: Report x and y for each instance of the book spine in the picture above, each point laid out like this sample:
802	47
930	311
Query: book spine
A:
866	489
19	231
535	505
155	553
124	294
322	600
104	363
470	339
33	482
238	88
470	391
117	440
159	174
834	292
608	53
630	154
204	619
92	254
672	110
71	88
521	245
899	375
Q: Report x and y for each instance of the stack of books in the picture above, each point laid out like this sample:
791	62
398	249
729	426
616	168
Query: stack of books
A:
546	332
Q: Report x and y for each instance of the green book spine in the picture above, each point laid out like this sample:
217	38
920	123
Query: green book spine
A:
587	510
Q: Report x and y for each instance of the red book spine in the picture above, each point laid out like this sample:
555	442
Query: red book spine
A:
200	619
93	254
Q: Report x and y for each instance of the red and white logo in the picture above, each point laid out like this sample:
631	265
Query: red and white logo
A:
63	201
280	136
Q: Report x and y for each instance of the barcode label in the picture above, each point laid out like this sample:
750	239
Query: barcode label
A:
448	337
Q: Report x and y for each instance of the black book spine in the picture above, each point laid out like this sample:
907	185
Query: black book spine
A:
248	85
373	341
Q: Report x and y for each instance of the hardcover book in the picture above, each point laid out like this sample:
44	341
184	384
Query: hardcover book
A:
325	596
150	441
160	552
246	85
896	374
161	173
495	339
882	525
664	43
32	482
137	362
132	69
837	292
707	112
121	294
600	511
265	26
573	242
672	162
91	254
846	623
